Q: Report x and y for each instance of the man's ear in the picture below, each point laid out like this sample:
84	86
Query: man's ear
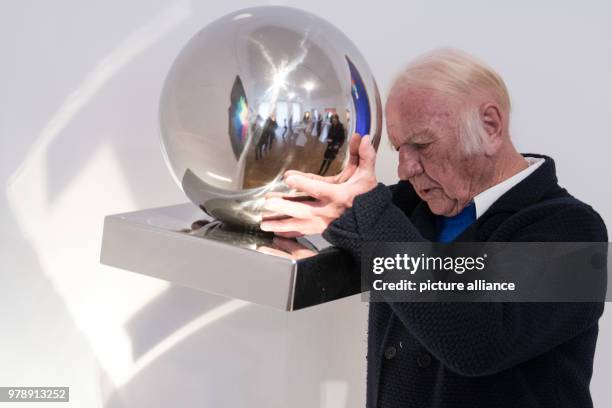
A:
493	123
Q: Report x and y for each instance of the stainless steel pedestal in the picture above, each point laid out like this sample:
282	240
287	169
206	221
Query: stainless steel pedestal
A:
183	245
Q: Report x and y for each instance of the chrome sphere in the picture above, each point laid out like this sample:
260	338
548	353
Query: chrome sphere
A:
258	92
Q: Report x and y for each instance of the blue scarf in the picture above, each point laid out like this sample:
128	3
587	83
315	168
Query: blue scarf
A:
450	228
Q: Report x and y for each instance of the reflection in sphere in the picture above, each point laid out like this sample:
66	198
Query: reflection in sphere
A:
258	92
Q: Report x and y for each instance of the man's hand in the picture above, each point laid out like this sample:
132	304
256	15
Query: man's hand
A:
287	248
331	196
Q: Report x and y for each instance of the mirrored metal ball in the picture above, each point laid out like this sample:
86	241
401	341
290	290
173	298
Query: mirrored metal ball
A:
258	92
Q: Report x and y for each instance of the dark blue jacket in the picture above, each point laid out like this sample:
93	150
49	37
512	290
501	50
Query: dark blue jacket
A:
471	355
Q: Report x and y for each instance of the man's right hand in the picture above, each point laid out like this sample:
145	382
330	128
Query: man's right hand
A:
331	196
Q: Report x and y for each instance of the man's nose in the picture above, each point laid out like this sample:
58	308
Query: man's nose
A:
409	163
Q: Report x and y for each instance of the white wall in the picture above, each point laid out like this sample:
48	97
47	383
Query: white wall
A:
78	118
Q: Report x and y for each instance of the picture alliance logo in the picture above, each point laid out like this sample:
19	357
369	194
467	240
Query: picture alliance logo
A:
413	264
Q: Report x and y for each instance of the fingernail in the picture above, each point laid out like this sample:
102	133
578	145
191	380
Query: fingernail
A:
263	226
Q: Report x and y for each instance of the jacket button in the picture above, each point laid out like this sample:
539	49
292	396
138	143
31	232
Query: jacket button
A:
424	360
390	352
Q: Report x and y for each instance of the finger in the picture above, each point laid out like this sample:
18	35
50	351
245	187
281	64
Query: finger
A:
296	249
293	195
314	188
296	172
310	226
271	194
272	251
289	234
352	162
354	149
291	208
354	144
309	175
269	215
287	245
367	154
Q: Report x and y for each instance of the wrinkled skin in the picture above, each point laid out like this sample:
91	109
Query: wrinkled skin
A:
425	130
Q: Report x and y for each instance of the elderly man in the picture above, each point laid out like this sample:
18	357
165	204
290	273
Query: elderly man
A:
461	179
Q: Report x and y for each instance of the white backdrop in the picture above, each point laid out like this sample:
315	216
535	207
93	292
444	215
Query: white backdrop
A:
78	126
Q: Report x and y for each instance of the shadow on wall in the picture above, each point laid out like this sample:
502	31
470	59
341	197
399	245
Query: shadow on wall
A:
237	354
41	339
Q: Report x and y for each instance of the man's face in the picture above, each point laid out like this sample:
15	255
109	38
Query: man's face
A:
424	127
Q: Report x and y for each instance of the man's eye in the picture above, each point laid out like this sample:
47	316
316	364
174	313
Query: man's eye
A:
420	146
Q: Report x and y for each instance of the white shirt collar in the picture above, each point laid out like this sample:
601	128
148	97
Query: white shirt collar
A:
486	199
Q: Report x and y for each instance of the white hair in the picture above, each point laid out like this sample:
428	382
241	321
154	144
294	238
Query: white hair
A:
471	131
461	77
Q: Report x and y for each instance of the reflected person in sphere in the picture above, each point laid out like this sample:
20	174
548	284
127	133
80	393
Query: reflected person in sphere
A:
284	129
290	133
256	132
461	179
270	131
302	128
335	139
310	122
264	135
